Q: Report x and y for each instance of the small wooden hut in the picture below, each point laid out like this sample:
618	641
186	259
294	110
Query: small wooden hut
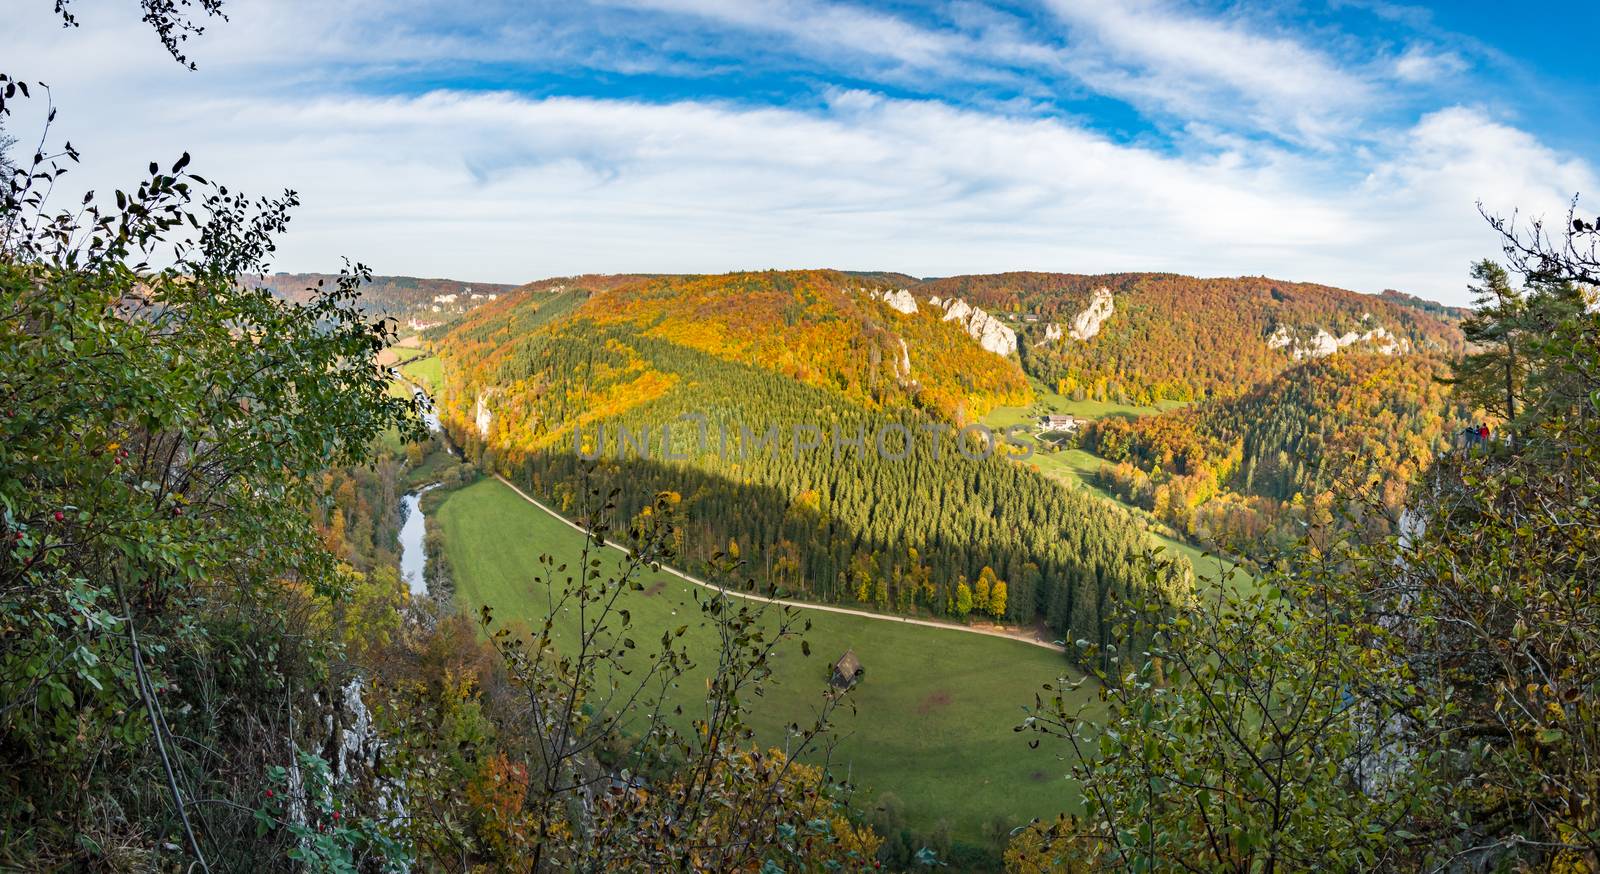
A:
847	671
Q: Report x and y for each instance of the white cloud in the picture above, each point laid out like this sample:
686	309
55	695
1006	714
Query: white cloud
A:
1422	64
978	44
1455	158
495	186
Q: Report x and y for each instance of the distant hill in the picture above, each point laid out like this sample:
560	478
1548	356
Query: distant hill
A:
585	282
1164	336
416	303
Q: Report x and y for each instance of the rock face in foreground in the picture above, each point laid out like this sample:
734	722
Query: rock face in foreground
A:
986	329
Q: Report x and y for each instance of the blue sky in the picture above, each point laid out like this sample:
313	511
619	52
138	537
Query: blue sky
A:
1345	142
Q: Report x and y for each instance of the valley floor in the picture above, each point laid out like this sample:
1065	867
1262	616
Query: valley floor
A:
931	722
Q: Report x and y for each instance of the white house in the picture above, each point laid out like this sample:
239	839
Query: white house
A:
1058	422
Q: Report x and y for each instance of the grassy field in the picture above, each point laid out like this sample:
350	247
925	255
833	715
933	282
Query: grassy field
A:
426	370
404	354
1047	401
933	717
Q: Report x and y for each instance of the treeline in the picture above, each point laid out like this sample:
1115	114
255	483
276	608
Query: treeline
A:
934	531
359	519
1239	470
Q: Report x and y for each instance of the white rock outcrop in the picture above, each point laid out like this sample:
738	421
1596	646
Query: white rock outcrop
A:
900	301
986	329
1387	343
482	416
903	366
1322	344
1087	323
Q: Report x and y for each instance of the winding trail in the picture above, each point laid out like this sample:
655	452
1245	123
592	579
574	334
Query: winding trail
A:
1019	636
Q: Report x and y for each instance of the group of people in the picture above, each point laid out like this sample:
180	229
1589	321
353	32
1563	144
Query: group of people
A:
1475	436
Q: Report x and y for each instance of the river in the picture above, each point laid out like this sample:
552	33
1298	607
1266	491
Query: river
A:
429	415
413	533
414	530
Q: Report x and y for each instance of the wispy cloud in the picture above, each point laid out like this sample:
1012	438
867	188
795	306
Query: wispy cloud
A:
1420	63
1219	69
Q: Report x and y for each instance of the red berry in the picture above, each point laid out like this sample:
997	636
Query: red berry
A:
269	793
60	516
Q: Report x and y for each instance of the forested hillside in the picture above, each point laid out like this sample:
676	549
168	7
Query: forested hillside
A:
931	531
822	328
1230	471
1181	338
324	574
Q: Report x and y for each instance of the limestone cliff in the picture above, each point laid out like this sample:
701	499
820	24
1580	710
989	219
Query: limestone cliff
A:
900	300
1087	323
986	329
482	416
1321	344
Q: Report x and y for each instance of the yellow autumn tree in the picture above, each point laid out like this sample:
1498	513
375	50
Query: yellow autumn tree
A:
987	580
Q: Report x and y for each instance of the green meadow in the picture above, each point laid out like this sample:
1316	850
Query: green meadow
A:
1048	401
425	369
932	719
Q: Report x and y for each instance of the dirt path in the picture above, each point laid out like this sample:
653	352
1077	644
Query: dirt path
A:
1019	636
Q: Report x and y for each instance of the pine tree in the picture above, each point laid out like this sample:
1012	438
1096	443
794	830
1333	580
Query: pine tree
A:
1493	375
